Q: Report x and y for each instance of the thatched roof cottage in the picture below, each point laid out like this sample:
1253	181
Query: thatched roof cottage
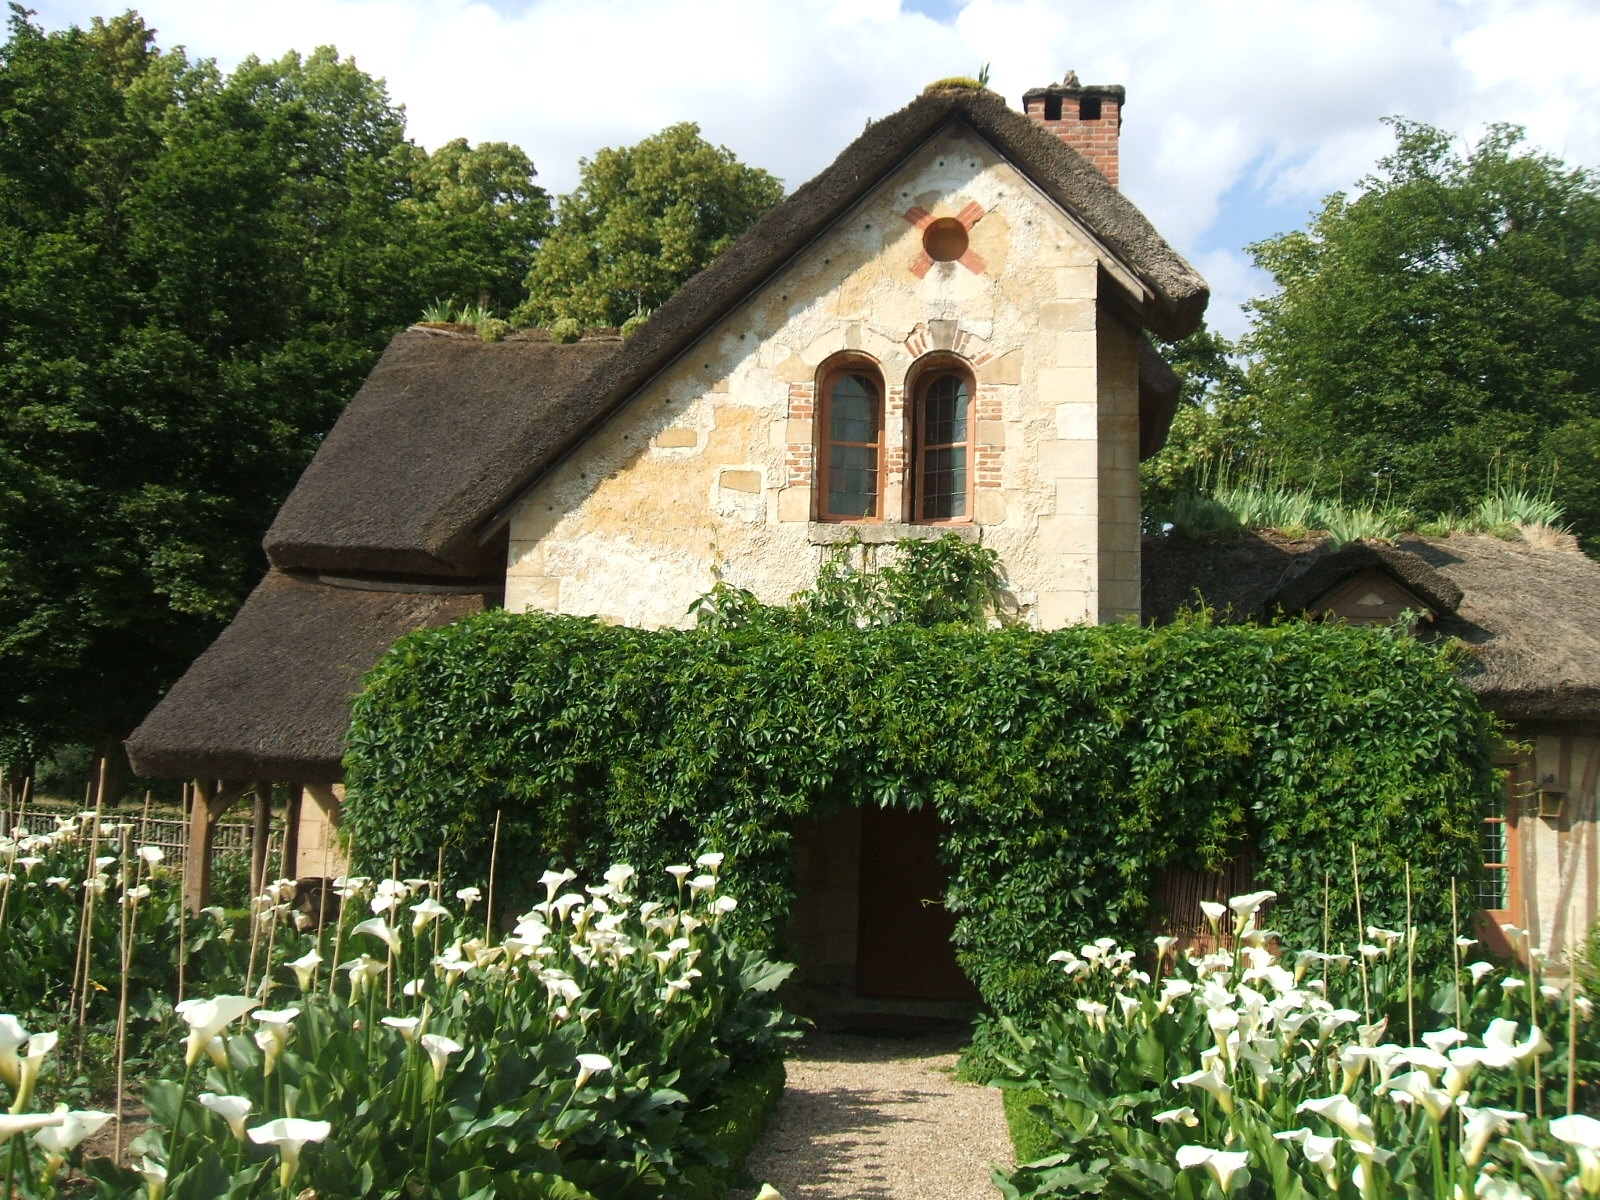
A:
945	330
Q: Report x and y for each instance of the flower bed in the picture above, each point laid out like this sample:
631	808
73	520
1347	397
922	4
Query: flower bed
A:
1261	1073
404	1048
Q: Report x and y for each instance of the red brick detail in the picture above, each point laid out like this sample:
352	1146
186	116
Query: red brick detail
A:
968	216
800	457
1095	140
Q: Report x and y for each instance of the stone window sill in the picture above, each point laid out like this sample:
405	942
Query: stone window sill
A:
877	533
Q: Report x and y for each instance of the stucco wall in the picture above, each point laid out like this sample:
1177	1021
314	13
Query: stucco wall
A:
1557	874
709	467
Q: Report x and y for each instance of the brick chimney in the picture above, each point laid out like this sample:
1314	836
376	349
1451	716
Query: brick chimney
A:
1087	117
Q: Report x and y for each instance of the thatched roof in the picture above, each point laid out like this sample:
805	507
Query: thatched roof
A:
271	698
1526	611
443	427
448	430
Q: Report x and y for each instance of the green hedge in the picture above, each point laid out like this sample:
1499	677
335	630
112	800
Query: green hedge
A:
1071	765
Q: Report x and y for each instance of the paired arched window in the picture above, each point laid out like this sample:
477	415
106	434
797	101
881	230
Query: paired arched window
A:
942	420
851	471
941	417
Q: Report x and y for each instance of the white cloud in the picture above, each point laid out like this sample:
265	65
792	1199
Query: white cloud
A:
1248	101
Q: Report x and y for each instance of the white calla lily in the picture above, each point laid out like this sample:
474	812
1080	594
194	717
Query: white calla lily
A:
1223	1164
232	1109
206	1019
289	1135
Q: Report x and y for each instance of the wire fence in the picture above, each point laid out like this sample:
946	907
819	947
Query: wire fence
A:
171	834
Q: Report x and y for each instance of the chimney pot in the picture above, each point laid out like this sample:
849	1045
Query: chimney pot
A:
1087	117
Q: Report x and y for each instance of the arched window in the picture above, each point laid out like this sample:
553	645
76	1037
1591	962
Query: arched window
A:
851	444
942	417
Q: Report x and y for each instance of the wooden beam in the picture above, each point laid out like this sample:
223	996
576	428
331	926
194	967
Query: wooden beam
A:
260	838
291	831
212	798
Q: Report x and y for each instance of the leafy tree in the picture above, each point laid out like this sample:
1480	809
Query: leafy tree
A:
1441	320
643	220
1215	431
196	270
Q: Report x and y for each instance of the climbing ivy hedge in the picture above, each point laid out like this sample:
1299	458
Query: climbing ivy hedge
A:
1070	765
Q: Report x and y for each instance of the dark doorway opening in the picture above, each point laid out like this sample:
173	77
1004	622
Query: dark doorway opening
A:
903	946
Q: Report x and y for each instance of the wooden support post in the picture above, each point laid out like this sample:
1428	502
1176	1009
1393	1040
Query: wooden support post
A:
291	831
260	836
212	798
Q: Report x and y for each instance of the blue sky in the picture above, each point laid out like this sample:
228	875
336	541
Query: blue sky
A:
1241	116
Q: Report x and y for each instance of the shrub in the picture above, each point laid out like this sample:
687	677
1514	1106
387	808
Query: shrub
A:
1070	765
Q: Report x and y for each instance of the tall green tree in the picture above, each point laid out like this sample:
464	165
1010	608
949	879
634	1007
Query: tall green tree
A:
1439	326
641	221
196	271
1216	428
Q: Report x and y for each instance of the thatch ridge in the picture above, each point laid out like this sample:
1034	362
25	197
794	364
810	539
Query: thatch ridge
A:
270	699
1525	612
440	429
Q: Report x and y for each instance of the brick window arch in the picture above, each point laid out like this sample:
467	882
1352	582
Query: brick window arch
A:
850	421
943	424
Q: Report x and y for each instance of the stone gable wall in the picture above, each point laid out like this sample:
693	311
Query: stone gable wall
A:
710	468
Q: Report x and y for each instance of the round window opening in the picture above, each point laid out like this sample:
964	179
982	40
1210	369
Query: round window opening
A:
945	240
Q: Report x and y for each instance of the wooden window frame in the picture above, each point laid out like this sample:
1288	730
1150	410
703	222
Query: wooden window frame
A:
924	376
824	409
1519	779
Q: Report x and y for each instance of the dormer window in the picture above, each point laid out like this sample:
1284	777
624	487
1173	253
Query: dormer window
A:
851	449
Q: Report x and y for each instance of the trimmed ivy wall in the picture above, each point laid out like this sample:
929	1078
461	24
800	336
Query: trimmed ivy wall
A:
1071	765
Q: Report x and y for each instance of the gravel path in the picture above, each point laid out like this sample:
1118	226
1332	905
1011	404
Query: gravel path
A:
880	1118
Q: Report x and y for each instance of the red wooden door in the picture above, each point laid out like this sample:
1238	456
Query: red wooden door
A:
903	948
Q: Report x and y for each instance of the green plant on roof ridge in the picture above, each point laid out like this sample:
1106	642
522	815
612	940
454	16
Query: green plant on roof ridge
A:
440	312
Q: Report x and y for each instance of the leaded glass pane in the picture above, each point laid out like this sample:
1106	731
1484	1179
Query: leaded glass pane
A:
853	410
853	481
1492	889
944	412
944	483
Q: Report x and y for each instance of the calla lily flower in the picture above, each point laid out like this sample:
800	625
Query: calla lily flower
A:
1550	1172
406	1025
1319	1152
206	1019
553	880
1186	1115
305	969
1583	1135
439	1050
426	913
1210	1080
710	862
1343	1112
363	971
469	896
1481	1125
380	929
1214	912
58	1141
273	1036
12	1035
589	1065
12	1124
155	1177
289	1135
680	872
151	854
1223	1164
232	1109
39	1045
617	876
